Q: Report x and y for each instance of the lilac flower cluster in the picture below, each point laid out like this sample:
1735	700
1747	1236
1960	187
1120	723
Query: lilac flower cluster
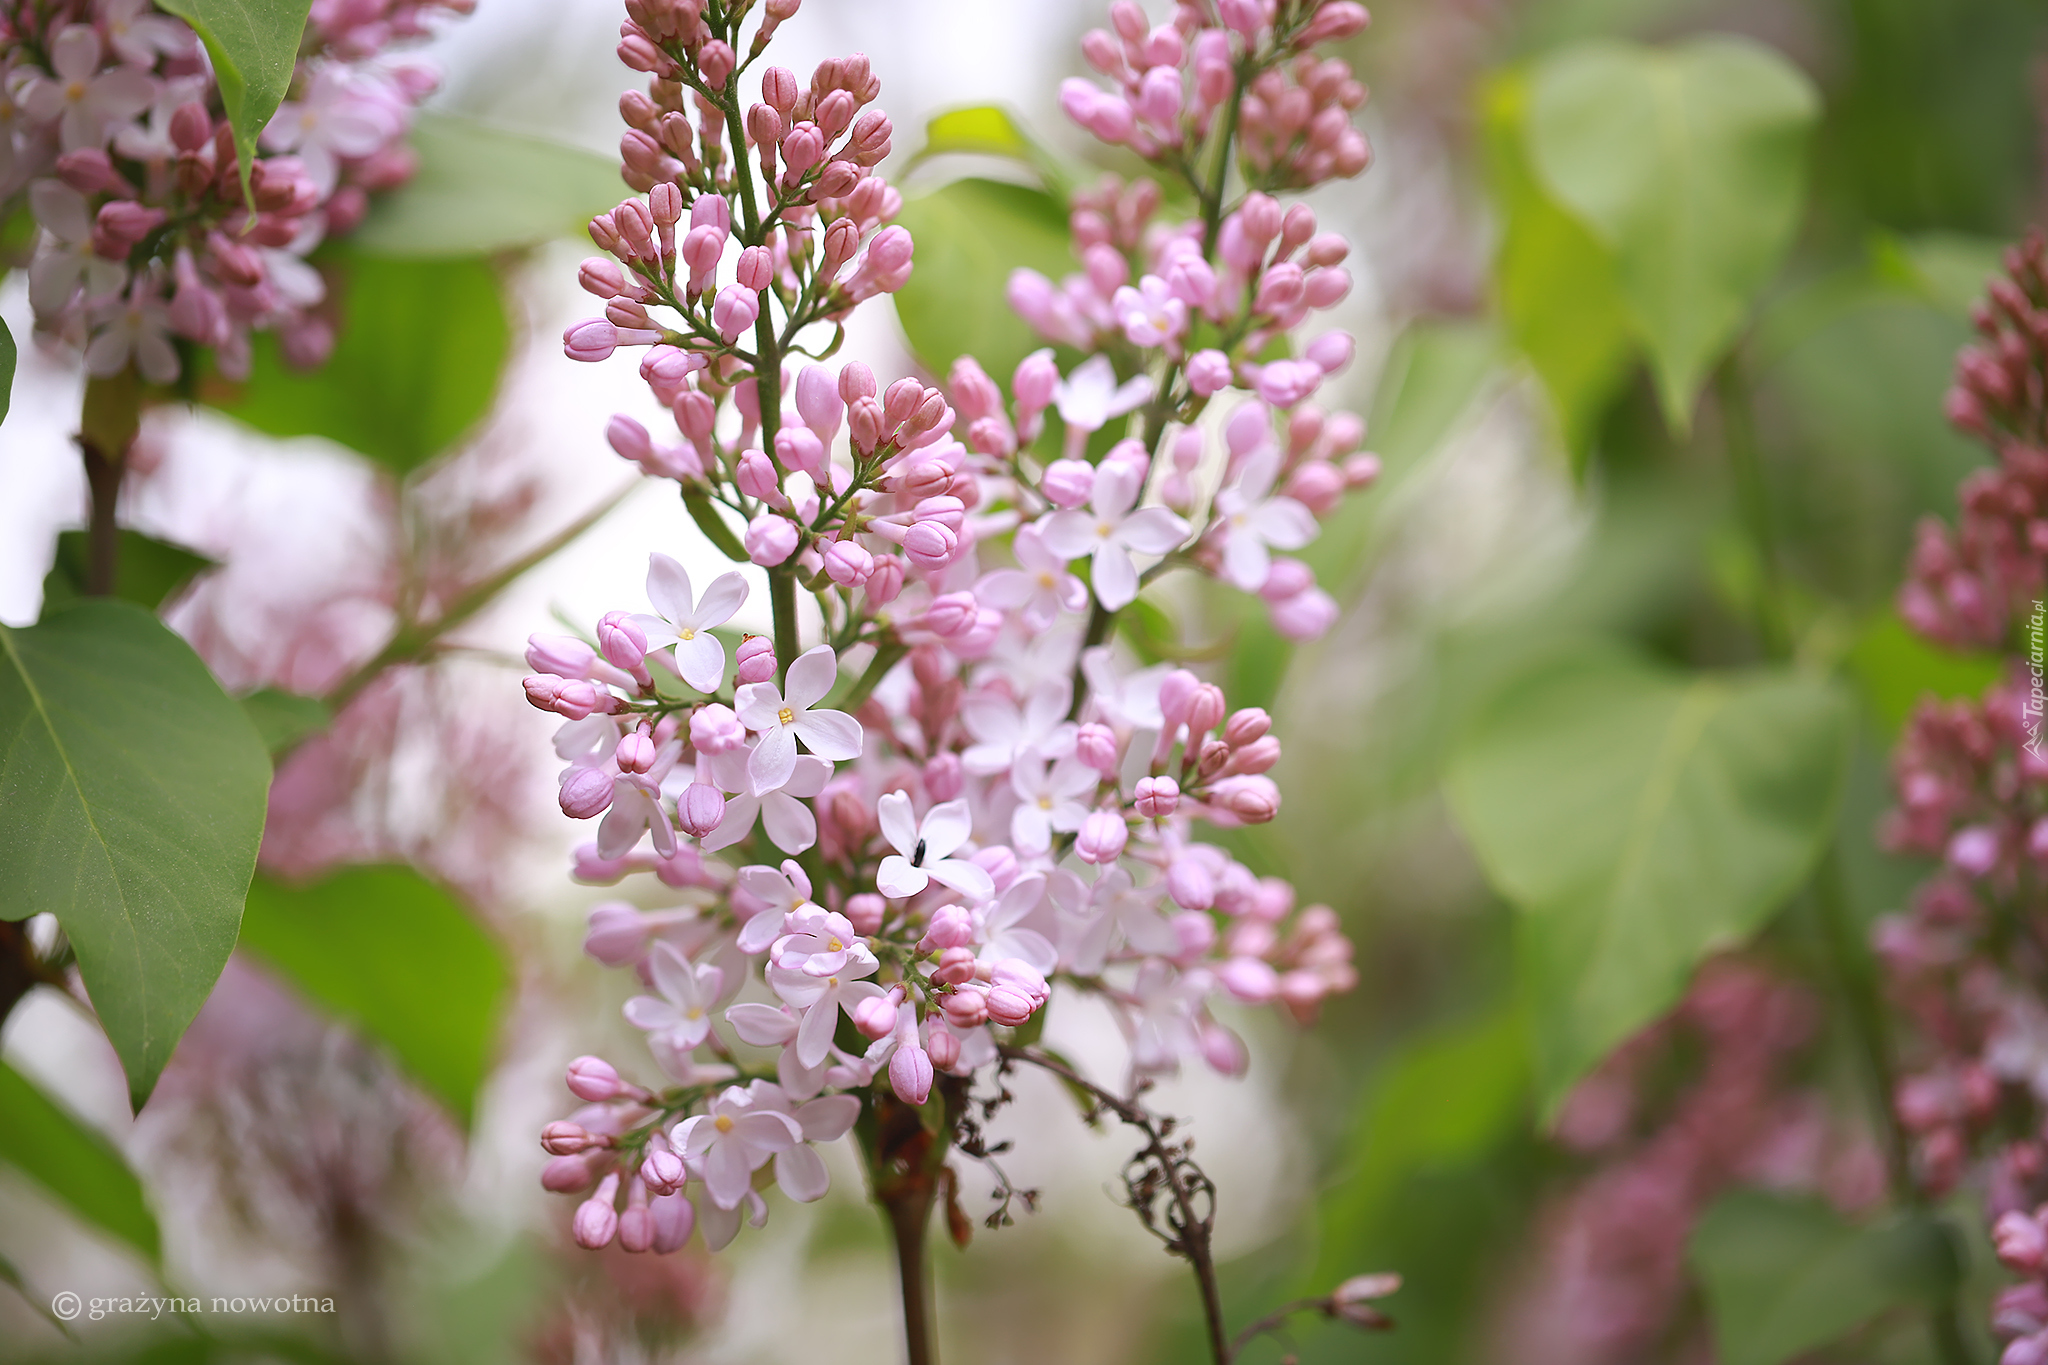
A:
962	798
111	120
1969	962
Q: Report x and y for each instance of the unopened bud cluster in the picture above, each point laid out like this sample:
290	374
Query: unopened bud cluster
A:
895	846
146	246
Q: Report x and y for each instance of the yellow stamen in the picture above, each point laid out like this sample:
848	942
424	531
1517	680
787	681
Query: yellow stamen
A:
786	716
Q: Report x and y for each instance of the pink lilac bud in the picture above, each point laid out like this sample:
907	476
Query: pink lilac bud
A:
1205	709
779	88
593	1079
1331	351
943	777
716	60
700	809
570	697
930	545
600	275
944	1049
564	655
950	927
756	268
963	1009
566	1139
1095	745
1283	383
818	402
1190	884
956	967
757	478
1334	21
1000	862
864	912
875	1016
1223	1050
1361	471
1176	690
1973	851
586	793
597	1222
590	341
910	1074
662	1171
1246	725
1256	757
1254	800
770	539
865	424
734	311
1157	797
1326	287
615	933
570	1174
1032	386
635	753
886	582
1317	485
2021	1242
1250	980
754	660
848	564
714	729
623	642
1102	838
674	1218
1009	1006
1068	483
702	247
799	450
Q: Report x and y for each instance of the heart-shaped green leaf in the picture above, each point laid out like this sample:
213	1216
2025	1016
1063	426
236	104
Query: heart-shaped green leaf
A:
254	45
1689	165
1639	821
132	792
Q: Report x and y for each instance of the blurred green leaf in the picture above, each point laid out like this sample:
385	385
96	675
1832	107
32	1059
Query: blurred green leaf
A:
1688	163
283	719
705	513
254	46
74	1163
398	957
1897	669
1948	269
132	791
148	573
990	130
1783	1276
481	188
415	366
1556	283
6	368
970	235
1639	821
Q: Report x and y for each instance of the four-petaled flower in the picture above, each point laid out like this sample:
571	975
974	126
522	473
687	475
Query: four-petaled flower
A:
1252	521
1109	531
821	942
1149	314
922	850
1039	589
681	1016
1090	396
1050	797
821	998
1003	729
732	1141
782	719
789	821
686	623
90	102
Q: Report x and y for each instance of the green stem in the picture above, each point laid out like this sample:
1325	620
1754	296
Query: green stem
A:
782	598
1773	619
108	419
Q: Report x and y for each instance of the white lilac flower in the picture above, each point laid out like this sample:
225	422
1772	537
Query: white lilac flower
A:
89	102
821	998
784	719
1004	932
1090	397
1003	729
732	1141
1039	589
789	822
923	849
1254	523
681	1015
1051	797
1109	531
686	624
1093	915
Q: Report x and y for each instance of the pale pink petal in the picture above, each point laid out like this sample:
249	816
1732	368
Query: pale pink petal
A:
760	1025
801	1174
828	1118
964	877
701	660
668	588
945	828
810	678
899	826
726	595
1153	531
727	1173
773	760
896	878
789	823
830	735
1070	534
1116	577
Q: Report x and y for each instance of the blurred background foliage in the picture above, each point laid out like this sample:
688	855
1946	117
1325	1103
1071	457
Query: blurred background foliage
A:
1669	293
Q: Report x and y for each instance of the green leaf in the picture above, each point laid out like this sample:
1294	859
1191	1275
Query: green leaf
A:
1556	283
1783	1276
1689	165
1897	669
420	345
6	367
283	719
254	45
1948	269
1639	821
149	572
970	235
74	1163
481	188
990	130
132	791
705	514
398	957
